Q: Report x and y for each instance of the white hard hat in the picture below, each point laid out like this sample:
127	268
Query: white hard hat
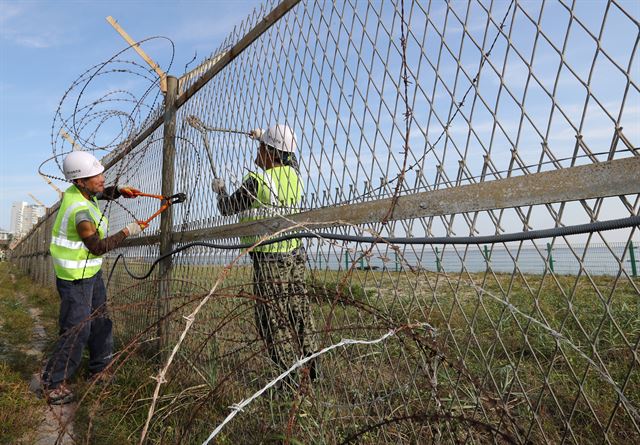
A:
81	164
280	137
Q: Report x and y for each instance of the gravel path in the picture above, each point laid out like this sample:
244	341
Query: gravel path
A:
56	427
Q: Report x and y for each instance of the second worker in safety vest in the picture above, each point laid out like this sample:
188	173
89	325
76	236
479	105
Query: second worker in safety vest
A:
78	241
282	312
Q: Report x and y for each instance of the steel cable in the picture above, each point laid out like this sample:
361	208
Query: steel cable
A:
598	226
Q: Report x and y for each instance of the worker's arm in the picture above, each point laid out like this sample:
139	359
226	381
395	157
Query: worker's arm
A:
114	192
240	200
89	236
109	193
87	232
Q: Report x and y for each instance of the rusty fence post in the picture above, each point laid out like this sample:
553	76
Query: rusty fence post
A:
166	218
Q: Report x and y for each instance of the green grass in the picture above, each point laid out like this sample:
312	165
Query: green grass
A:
521	344
20	410
512	354
17	295
524	342
111	414
117	412
17	324
496	335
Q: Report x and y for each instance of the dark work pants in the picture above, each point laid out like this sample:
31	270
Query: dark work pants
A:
83	322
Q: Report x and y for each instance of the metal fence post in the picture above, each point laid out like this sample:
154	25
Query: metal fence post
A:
550	256
487	258
437	260
166	218
346	260
632	258
397	263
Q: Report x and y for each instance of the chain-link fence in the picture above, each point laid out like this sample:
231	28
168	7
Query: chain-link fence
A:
480	145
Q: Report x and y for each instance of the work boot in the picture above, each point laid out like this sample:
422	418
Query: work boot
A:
59	396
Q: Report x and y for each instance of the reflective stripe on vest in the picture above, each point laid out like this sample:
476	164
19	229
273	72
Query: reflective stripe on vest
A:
65	218
71	264
279	193
63	242
273	190
71	259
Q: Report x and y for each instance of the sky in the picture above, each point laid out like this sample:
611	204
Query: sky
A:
45	46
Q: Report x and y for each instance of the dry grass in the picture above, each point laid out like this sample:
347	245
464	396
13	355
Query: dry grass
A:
495	361
20	411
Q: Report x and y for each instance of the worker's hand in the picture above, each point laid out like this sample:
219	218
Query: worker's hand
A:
218	186
127	191
135	228
256	133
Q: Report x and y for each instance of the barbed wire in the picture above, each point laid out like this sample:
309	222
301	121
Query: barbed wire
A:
85	111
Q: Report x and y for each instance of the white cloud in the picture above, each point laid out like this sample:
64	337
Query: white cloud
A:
8	12
25	26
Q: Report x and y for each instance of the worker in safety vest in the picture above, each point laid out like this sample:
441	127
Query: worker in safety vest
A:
282	313
78	241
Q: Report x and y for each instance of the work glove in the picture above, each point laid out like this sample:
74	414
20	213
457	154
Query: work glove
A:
256	133
135	228
127	191
218	186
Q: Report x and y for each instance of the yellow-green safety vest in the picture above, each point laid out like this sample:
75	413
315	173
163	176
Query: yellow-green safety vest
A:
279	193
71	258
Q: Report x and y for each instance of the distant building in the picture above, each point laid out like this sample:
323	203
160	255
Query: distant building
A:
5	240
5	236
17	217
35	212
24	216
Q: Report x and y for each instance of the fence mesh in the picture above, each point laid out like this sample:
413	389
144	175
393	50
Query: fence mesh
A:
529	341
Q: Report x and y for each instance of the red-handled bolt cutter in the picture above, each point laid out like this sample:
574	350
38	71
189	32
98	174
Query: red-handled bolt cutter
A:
165	203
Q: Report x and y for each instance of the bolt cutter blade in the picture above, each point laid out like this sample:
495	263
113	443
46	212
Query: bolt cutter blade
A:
177	198
166	202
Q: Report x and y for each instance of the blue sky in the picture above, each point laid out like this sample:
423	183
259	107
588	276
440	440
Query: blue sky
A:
46	45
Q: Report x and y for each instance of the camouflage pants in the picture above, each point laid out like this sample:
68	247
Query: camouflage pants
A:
282	311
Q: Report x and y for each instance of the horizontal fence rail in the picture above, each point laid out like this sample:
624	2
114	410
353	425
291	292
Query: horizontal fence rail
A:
417	120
